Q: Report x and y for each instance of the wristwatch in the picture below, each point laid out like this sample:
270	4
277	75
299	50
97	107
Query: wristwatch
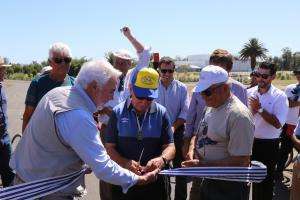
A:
260	110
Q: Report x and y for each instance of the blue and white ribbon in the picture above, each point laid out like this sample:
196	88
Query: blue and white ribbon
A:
256	173
40	188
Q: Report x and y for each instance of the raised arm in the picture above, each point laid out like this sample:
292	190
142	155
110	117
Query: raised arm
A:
136	44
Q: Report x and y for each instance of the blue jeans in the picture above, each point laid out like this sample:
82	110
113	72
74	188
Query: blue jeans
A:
7	174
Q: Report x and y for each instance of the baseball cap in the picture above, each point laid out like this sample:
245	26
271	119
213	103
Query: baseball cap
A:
123	53
145	83
209	76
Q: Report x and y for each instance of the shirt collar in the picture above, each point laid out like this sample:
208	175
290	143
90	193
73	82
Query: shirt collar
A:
129	106
170	86
90	104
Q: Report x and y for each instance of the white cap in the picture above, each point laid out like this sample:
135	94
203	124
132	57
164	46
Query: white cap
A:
123	53
209	76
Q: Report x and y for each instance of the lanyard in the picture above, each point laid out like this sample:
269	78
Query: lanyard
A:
140	127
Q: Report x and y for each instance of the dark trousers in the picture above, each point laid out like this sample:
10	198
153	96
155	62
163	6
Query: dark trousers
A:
159	190
181	183
222	190
286	147
265	151
105	190
7	174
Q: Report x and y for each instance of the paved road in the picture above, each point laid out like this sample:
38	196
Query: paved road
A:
16	91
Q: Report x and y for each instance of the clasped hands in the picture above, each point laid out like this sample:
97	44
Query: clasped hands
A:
138	169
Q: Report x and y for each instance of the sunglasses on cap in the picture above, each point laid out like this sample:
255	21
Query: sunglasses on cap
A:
264	76
167	70
67	60
209	91
145	98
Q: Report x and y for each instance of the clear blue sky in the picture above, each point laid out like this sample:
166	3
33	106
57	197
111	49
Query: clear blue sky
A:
91	27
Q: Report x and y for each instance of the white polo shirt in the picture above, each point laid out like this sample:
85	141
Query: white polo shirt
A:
293	113
274	102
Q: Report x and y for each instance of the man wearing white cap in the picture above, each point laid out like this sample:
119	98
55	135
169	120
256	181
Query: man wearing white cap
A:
122	61
224	136
6	172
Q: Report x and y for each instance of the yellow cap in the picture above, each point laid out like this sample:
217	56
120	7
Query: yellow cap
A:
147	78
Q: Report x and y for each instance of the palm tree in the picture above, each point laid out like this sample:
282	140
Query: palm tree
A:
253	49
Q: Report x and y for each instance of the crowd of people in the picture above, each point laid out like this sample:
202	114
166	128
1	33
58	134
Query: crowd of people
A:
126	124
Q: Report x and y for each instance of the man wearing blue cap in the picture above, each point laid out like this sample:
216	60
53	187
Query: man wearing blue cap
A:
139	136
224	136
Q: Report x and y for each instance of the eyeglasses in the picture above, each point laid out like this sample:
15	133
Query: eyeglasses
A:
145	98
209	91
264	76
67	60
167	70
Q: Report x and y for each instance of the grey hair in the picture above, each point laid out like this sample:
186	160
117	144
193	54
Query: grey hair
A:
59	48
96	70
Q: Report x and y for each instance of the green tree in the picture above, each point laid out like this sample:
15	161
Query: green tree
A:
76	65
253	50
287	58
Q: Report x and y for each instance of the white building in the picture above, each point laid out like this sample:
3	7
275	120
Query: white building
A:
202	60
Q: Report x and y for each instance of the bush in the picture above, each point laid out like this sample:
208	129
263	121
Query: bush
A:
20	76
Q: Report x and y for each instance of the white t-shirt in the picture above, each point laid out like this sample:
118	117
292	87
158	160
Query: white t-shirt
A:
293	113
274	102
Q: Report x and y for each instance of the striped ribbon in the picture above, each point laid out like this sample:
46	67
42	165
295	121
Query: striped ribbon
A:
255	173
40	188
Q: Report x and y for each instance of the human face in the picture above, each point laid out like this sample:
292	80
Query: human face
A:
122	64
264	78
2	73
166	72
139	104
213	96
60	63
106	92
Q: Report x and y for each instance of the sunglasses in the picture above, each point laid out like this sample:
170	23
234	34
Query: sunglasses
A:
209	91
67	60
145	98
167	70
264	76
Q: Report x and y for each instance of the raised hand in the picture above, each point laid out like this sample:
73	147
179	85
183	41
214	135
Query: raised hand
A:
126	31
254	104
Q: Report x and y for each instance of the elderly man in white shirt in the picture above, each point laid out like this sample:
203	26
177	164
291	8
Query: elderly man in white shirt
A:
269	106
71	137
